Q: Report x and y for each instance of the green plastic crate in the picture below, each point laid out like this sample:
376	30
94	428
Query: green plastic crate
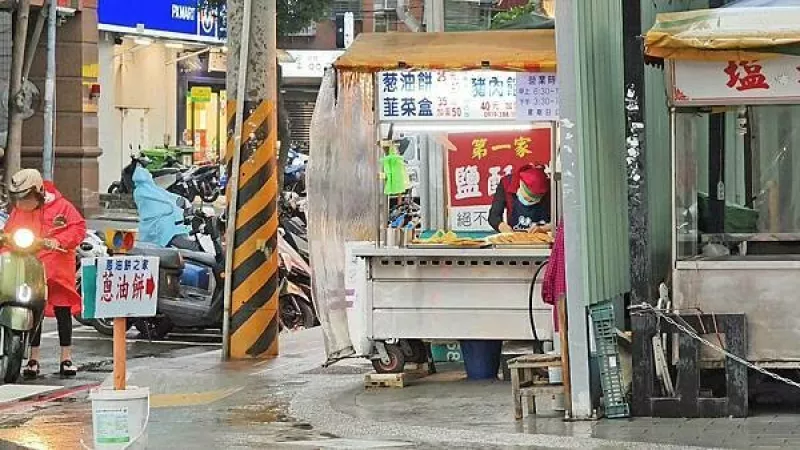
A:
446	352
605	336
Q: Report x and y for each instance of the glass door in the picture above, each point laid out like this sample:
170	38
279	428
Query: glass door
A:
205	120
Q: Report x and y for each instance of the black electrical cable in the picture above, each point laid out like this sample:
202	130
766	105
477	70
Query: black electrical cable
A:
537	344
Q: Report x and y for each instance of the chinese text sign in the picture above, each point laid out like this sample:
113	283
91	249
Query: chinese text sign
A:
754	82
537	97
466	95
120	287
479	163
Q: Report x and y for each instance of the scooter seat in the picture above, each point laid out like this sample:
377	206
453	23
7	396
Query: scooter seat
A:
204	258
170	258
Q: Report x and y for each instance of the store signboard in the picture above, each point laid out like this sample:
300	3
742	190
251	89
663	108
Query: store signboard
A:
537	97
467	95
171	19
476	164
756	82
309	63
437	95
201	94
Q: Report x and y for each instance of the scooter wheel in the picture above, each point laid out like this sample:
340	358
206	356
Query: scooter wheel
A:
293	318
154	329
106	326
12	358
397	361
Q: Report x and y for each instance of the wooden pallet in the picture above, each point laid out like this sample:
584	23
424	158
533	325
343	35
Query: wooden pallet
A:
385	380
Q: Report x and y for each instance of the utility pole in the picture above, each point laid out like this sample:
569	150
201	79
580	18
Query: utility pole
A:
48	150
13	156
251	272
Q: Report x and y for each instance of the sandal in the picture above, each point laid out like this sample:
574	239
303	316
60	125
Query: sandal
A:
68	370
31	370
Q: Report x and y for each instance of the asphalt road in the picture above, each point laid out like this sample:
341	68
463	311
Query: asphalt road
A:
92	351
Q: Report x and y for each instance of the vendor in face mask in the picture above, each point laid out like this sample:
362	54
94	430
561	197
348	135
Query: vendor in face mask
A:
522	201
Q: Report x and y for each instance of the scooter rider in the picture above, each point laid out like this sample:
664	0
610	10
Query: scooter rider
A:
40	207
161	214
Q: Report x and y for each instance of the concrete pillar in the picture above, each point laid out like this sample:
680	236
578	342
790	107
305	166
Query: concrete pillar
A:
109	117
76	137
591	76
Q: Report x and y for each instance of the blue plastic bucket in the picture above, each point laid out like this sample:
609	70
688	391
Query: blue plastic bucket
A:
481	358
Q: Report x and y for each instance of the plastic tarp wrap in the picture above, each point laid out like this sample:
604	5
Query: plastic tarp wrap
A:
524	51
749	29
342	188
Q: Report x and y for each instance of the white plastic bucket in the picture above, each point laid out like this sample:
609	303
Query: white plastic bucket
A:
119	418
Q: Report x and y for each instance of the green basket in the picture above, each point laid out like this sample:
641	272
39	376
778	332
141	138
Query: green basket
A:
605	336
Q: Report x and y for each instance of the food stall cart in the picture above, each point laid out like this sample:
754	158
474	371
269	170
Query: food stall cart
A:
474	107
735	229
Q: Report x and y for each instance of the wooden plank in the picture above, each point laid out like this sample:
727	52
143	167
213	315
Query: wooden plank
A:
688	375
563	337
643	365
736	374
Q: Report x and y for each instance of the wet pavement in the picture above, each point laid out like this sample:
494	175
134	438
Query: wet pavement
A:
290	402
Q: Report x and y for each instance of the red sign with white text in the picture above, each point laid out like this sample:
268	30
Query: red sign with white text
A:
748	82
480	160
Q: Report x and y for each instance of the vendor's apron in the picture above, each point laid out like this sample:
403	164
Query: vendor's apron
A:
523	217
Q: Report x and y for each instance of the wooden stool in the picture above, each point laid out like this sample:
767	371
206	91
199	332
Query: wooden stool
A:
526	384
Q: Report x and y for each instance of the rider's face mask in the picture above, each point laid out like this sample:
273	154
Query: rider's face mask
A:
526	197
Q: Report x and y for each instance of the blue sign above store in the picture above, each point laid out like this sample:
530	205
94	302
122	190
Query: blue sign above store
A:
172	19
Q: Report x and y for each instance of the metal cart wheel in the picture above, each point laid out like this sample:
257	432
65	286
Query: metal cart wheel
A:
396	362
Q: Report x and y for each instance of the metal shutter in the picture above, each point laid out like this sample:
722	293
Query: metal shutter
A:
300	106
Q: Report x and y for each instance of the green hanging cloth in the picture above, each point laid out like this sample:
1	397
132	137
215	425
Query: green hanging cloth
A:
396	175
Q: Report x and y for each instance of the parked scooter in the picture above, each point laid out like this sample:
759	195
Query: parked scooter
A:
190	283
23	293
188	182
294	225
91	247
296	305
166	177
294	173
293	205
204	182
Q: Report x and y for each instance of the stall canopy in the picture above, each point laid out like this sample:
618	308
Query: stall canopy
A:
751	29
519	50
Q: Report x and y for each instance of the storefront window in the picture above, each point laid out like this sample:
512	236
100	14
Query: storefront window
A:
738	196
205	122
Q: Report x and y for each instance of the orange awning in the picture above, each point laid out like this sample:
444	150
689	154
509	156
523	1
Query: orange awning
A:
517	50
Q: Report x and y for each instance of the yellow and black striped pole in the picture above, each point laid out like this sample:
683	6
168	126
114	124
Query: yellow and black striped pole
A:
254	277
252	284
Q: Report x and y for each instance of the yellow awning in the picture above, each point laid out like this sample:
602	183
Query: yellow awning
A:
725	34
518	50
